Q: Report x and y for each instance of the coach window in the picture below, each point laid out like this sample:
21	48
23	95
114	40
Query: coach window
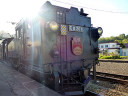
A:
19	33
16	33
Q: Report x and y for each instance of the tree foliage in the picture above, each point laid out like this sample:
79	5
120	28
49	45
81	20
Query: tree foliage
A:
121	39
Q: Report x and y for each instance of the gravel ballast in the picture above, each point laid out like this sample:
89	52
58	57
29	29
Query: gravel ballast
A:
113	67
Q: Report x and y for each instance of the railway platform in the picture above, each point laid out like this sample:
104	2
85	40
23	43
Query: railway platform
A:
14	83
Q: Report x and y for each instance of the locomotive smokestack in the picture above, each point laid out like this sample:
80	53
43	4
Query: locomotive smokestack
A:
81	10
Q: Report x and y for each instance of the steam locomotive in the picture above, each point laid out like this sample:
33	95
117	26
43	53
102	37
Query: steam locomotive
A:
58	47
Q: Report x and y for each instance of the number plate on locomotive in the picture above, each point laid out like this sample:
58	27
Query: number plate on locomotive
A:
74	28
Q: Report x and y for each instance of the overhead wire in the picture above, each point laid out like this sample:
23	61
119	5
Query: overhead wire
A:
89	8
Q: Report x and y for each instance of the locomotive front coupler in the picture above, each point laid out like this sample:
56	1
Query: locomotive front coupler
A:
83	73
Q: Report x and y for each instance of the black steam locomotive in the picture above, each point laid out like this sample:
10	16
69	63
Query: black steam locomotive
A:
58	47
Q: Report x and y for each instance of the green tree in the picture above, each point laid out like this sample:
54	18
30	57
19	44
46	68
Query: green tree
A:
122	45
125	41
121	39
121	36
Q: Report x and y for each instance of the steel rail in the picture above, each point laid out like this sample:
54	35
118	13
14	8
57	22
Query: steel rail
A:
90	93
80	93
115	78
124	77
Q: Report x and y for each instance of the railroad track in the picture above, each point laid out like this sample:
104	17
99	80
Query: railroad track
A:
90	93
80	93
112	77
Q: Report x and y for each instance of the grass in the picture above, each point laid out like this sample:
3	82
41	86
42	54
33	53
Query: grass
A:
115	59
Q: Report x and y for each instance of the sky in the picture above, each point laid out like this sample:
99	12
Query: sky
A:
111	15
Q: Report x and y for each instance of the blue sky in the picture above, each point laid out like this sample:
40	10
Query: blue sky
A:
113	24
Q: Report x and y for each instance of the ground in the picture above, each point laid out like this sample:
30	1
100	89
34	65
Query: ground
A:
107	89
113	67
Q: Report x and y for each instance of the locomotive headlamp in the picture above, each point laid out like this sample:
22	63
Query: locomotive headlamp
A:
53	26
96	33
100	31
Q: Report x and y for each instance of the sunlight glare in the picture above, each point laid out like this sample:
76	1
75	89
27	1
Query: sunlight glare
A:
31	8
31	12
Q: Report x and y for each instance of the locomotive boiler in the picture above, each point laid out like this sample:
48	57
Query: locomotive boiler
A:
58	47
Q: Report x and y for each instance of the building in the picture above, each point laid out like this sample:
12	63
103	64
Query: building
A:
109	47
5	39
124	51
